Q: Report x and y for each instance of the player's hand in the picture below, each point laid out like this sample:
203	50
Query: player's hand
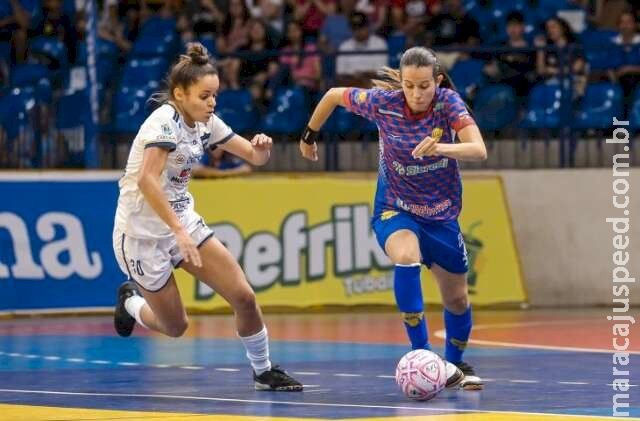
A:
188	248
262	141
310	152
428	147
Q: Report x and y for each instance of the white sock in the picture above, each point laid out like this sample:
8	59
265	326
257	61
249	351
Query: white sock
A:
134	305
257	347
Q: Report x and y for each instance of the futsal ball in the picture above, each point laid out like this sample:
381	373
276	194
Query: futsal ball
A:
421	374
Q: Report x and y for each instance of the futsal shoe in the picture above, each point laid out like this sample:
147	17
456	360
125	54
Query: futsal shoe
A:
454	374
276	379
470	381
123	321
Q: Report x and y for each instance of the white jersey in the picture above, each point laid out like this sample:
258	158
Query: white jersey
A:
165	128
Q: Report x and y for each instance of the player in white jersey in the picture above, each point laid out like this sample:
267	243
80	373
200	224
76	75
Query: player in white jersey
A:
156	226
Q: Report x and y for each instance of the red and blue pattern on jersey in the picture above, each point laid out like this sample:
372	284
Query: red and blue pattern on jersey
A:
429	188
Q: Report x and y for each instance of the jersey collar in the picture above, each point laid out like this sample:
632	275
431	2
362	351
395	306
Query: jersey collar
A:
419	116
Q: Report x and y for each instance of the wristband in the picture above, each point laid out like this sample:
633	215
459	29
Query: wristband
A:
310	136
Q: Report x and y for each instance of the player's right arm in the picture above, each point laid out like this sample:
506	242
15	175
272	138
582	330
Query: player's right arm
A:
332	98
153	163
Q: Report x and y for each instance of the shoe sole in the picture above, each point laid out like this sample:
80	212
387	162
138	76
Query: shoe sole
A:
472	386
265	388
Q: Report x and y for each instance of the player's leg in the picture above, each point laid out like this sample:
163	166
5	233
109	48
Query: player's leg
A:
221	272
147	262
448	262
396	233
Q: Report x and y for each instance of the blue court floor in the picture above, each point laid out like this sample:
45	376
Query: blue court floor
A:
92	369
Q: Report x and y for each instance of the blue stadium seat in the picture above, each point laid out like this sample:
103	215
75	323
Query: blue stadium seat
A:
495	107
396	44
138	72
543	107
599	50
13	111
209	43
236	108
288	112
157	38
634	112
157	27
130	107
51	48
343	122
29	74
71	110
601	103
467	75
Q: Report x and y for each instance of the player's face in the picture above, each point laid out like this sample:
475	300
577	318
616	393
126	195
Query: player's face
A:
199	100
419	87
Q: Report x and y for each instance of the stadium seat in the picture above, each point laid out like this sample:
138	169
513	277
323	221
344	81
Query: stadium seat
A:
342	122
634	112
467	75
599	50
543	107
130	107
236	108
600	104
14	109
495	107
138	72
50	48
288	112
29	74
71	112
396	45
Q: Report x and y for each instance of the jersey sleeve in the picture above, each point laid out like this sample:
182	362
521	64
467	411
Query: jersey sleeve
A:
220	133
159	132
363	102
457	112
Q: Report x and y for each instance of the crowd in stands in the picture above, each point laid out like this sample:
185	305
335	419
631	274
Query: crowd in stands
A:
264	46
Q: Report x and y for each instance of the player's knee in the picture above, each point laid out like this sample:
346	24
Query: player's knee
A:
457	304
245	302
406	257
178	328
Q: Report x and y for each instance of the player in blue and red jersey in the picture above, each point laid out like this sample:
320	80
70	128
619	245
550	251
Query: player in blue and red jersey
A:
425	128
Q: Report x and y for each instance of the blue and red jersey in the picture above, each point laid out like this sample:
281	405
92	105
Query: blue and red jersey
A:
429	188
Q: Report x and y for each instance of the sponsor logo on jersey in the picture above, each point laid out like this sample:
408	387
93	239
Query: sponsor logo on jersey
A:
180	159
166	130
436	133
361	97
388	214
438	106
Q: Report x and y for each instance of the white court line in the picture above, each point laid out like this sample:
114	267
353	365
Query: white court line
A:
192	367
441	334
579	383
524	381
100	362
127	364
384	376
321	404
347	375
76	360
228	369
305	373
52	358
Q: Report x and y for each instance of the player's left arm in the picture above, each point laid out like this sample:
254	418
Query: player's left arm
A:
255	151
470	148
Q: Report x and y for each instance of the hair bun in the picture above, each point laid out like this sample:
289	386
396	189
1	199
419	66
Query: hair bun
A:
198	53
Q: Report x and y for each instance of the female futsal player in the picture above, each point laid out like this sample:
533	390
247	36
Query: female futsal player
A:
419	190
156	226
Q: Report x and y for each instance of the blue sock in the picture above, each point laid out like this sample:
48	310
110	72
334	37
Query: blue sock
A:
408	291
458	328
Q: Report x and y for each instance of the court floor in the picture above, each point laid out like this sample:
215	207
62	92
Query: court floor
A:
538	365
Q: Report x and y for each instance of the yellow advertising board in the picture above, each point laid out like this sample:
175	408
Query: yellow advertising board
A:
307	242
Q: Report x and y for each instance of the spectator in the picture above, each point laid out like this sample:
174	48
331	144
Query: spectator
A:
357	69
453	28
272	14
548	62
111	29
312	14
515	68
201	19
54	23
218	163
14	21
628	74
303	67
234	37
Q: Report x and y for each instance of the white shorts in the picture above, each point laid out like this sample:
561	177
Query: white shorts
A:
150	262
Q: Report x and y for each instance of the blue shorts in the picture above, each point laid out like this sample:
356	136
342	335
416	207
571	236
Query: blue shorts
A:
440	242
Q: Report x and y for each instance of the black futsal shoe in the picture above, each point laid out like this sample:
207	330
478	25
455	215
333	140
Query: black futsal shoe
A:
122	320
470	381
276	379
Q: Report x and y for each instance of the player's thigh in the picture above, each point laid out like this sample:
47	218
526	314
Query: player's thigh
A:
166	304
397	234
222	273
